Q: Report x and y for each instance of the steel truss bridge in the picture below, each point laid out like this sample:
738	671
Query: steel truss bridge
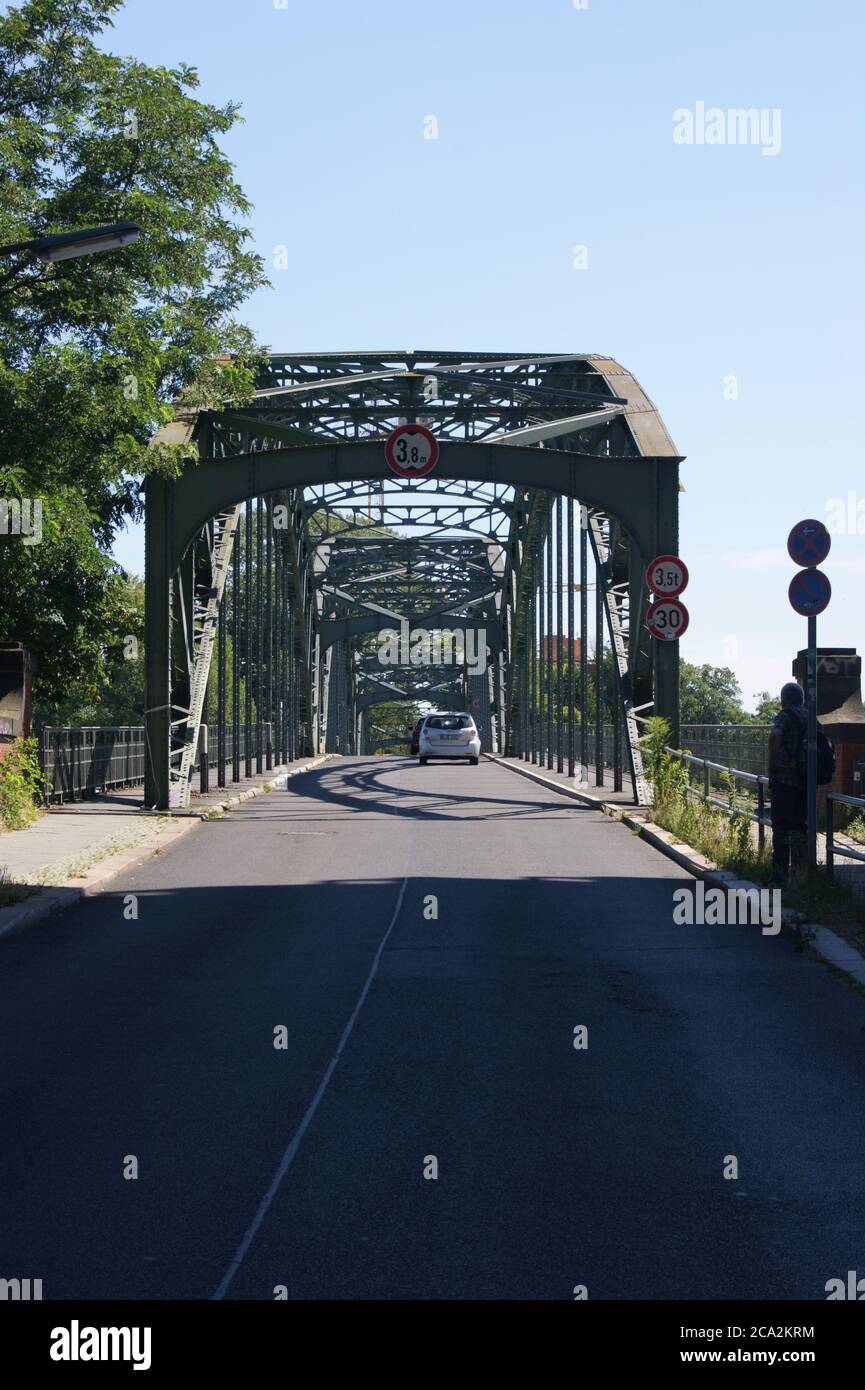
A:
294	583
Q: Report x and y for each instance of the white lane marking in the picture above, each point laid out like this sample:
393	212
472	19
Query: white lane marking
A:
291	1152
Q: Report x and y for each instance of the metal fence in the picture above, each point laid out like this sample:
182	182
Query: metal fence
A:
81	762
739	746
708	777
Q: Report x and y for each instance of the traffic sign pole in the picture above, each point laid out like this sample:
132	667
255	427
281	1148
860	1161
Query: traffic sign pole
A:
808	544
811	682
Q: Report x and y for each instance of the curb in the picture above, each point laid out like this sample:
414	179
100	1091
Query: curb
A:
273	781
826	944
47	902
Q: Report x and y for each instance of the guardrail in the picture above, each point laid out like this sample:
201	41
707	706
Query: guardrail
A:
707	767
832	799
832	848
81	762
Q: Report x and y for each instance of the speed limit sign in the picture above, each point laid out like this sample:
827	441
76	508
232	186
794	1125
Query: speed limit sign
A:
667	619
411	451
667	576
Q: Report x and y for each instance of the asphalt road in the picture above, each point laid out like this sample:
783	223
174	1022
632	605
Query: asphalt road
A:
408	1038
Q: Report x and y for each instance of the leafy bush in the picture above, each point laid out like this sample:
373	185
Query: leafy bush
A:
722	835
21	783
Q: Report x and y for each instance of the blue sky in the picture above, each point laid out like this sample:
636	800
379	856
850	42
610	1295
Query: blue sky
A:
706	262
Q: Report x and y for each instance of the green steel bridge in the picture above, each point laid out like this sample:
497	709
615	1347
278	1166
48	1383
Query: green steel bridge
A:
295	583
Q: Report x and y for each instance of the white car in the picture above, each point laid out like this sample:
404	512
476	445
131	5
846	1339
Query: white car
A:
450	735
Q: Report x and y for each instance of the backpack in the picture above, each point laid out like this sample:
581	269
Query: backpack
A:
825	754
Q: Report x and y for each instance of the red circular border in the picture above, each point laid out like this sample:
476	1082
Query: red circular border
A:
411	428
664	559
811	612
808	521
682	609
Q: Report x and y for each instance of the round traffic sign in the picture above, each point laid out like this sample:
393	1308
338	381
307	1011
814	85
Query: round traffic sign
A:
809	592
667	619
411	451
667	576
809	543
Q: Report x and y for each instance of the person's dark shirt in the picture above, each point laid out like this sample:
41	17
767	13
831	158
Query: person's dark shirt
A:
791	725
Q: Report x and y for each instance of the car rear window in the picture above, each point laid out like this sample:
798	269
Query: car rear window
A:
449	721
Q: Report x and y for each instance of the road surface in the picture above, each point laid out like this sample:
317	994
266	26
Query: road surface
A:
424	941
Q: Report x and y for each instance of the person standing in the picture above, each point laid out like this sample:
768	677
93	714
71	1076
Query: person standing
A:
788	742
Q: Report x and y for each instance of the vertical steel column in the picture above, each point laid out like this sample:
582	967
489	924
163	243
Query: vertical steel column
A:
571	683
560	600
235	653
599	675
288	659
537	667
203	749
617	730
157	637
221	673
277	642
548	548
239	540
584	642
247	639
525	679
292	698
268	628
259	634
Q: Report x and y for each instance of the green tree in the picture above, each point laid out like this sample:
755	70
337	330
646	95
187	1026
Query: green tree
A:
94	351
709	695
391	719
767	707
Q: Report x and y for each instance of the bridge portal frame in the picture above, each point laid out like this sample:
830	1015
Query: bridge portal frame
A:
640	492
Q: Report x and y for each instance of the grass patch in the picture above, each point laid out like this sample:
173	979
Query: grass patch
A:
12	892
723	834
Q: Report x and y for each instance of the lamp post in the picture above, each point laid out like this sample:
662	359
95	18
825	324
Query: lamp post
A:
67	246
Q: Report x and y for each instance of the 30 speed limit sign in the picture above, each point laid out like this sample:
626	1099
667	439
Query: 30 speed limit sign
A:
411	451
667	576
667	619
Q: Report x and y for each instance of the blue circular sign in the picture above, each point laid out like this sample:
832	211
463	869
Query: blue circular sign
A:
810	592
809	543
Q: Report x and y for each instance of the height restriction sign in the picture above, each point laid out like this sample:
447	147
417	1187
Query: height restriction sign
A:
667	576
411	451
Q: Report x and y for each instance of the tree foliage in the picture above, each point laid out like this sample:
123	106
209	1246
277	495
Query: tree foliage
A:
94	351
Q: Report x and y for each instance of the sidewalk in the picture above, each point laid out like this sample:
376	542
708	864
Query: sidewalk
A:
73	849
585	791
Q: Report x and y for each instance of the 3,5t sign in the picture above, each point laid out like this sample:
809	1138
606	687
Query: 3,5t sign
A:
667	576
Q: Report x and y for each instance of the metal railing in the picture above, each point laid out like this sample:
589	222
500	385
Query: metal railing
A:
832	847
82	762
708	769
79	762
744	747
761	783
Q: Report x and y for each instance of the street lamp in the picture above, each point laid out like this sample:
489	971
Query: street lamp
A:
66	246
